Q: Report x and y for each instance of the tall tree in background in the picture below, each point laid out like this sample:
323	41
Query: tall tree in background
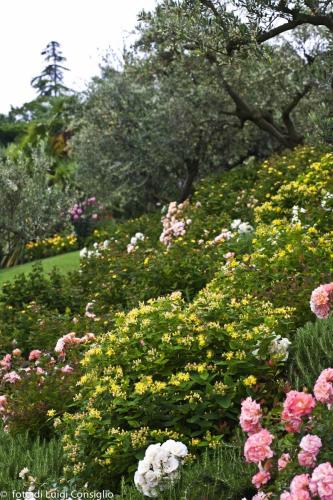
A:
50	81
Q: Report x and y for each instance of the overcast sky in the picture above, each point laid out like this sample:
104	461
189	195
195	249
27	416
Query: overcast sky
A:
86	29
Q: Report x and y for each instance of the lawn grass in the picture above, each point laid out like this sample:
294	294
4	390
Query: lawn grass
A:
64	263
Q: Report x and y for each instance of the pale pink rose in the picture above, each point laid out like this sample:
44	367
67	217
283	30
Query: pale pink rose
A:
257	448
261	496
286	496
17	352
283	461
60	345
250	416
40	370
321	300
11	377
321	482
262	477
296	405
5	362
229	255
323	389
87	337
35	354
67	369
299	482
311	444
305	459
300	495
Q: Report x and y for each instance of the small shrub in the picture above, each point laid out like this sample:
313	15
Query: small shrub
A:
312	351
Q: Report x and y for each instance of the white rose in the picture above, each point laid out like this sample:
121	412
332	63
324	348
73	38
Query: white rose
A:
177	448
83	252
139	479
152	479
144	466
160	458
235	223
151	451
245	227
171	465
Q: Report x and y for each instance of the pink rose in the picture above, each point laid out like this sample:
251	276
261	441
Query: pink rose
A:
5	362
286	496
260	496
296	405
321	482
35	354
311	444
257	448
298	489
323	389
67	369
250	416
321	300
305	459
283	461
11	377
299	482
261	478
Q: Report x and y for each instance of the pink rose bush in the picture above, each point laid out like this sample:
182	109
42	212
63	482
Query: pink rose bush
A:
34	385
174	224
321	300
297	474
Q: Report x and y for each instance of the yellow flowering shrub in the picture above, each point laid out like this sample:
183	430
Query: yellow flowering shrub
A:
48	247
171	370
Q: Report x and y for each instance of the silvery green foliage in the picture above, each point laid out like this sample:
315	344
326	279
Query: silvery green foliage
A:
30	208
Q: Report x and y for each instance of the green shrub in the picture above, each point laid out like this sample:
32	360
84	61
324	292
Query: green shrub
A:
312	352
43	459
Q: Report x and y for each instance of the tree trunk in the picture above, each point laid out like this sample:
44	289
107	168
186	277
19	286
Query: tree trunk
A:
192	167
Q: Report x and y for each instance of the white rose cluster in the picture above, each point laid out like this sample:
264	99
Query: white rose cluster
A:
241	227
98	247
134	241
159	467
278	347
296	210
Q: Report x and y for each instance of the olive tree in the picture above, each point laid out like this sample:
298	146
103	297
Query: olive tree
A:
31	207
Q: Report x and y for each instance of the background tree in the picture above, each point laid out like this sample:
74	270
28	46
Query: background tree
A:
50	81
209	28
30	207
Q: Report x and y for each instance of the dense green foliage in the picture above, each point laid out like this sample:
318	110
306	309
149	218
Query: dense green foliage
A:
312	352
43	459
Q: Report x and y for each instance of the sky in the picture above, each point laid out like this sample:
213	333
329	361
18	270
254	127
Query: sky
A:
85	29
